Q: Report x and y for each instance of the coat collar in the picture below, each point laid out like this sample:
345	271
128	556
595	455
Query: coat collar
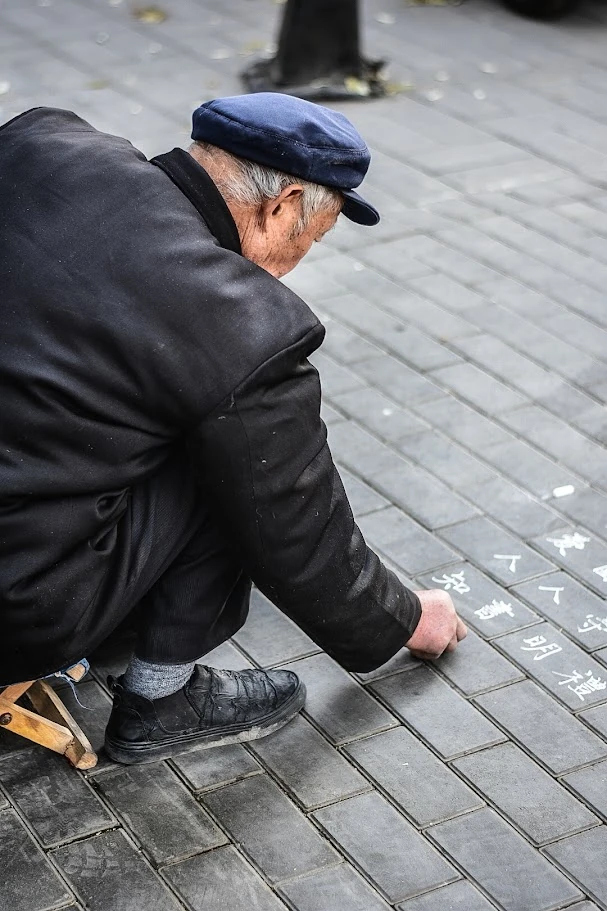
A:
195	183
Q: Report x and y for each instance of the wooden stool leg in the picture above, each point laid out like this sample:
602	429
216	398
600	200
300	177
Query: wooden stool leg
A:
53	727
46	701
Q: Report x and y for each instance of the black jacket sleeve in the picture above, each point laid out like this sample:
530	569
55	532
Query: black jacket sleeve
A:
263	459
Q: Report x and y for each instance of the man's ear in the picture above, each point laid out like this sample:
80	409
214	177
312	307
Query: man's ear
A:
289	197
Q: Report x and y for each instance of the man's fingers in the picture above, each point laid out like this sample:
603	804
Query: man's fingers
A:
453	644
461	630
424	656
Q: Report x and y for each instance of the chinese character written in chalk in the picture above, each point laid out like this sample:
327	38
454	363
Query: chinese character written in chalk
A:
601	571
552	588
542	648
512	557
568	541
582	684
489	611
456	581
591	622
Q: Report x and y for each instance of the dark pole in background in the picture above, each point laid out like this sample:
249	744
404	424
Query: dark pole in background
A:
318	54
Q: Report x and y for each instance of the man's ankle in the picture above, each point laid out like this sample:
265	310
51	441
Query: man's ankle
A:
153	680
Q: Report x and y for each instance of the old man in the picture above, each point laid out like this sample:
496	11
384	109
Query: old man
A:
160	444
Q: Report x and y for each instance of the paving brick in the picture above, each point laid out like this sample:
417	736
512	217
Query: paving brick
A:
466	269
267	826
579	409
521	791
334	377
446	291
402	661
399	382
529	468
28	881
527	302
567	672
309	768
555	437
329	415
543	728
392	258
582	857
379	414
597	719
312	284
222	881
509	366
505	871
336	703
363	499
476	667
207	769
591	785
496	551
391	333
407	485
346	345
504	176
424	788
444	458
436	713
161	813
516	509
406	864
57	803
570	607
269	637
534	334
333	888
579	552
460	896
479	388
109	874
586	506
584	906
462	423
405	542
226	656
92	715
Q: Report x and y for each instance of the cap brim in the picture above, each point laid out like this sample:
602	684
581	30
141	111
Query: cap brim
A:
358	209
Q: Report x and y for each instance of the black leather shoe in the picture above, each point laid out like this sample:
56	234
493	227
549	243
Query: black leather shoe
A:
213	709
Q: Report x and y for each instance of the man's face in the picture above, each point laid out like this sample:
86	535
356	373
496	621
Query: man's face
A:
270	237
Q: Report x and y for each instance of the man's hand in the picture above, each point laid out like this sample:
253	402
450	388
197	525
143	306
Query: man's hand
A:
439	628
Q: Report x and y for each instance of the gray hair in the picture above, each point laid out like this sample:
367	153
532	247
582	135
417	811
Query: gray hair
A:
252	184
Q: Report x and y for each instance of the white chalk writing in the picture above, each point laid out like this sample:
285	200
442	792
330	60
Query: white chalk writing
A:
601	571
541	647
550	588
591	623
455	581
489	611
581	684
512	557
567	541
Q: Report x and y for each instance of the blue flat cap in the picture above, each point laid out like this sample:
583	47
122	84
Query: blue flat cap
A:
295	136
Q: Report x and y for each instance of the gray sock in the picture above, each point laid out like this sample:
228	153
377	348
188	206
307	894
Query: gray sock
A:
153	681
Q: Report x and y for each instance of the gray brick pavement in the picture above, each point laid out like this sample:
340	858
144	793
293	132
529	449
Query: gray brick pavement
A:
465	382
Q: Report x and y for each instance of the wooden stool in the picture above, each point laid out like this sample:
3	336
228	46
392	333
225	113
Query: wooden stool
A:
51	725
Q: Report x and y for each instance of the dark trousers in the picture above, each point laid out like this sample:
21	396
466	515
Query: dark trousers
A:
187	591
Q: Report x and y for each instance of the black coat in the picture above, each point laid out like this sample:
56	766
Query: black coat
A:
130	324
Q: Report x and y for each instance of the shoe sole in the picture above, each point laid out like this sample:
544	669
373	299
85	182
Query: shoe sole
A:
133	753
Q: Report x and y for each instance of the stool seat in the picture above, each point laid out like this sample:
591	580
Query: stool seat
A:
51	724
